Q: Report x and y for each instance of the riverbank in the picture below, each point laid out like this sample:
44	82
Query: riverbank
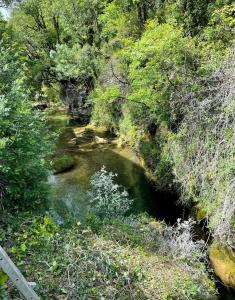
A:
92	147
118	258
68	232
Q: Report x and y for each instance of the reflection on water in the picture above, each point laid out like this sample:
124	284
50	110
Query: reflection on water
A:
69	201
93	148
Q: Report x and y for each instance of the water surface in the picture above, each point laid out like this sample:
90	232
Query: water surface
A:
92	148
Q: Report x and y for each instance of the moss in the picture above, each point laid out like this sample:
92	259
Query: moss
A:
199	213
223	261
62	164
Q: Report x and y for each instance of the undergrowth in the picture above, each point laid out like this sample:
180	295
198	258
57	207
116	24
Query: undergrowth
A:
120	258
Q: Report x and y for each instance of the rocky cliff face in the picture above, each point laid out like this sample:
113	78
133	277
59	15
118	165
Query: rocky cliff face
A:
75	98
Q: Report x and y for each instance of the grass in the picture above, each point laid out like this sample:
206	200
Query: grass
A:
104	260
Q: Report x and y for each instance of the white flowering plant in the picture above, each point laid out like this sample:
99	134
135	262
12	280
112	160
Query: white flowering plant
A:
107	198
179	241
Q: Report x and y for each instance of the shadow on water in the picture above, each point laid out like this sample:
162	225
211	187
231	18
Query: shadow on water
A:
225	293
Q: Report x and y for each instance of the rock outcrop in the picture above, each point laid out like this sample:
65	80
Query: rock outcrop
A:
75	98
223	261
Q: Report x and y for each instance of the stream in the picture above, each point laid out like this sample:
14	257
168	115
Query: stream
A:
92	148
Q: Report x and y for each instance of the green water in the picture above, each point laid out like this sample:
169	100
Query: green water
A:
90	155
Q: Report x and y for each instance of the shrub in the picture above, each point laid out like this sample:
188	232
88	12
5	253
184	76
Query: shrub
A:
74	62
106	106
179	242
34	233
108	199
109	264
24	138
203	150
173	242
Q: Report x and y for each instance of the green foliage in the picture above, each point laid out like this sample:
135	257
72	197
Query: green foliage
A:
35	233
119	20
79	21
3	285
193	15
130	132
107	106
118	259
127	19
74	63
24	140
3	279
220	30
158	68
2	26
50	93
54	35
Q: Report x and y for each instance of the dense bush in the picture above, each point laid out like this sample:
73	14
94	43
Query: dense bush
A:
107	106
203	150
23	136
73	63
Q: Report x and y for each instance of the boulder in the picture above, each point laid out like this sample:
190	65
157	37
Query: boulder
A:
100	140
72	142
223	262
75	98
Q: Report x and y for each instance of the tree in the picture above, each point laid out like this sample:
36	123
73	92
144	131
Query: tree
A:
74	63
109	101
194	15
44	25
61	42
23	136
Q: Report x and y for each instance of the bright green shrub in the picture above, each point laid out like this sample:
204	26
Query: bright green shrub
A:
23	135
106	106
36	233
157	69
